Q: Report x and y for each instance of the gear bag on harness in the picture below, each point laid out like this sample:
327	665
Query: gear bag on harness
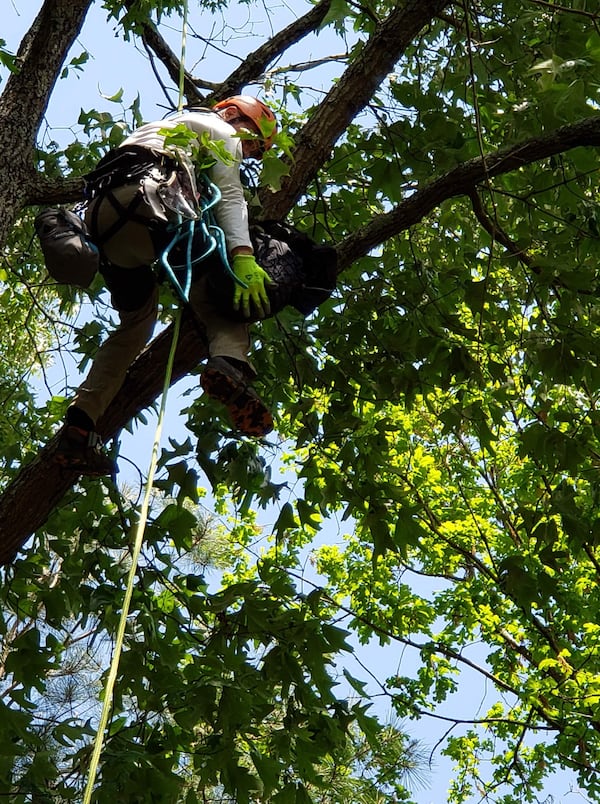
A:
71	257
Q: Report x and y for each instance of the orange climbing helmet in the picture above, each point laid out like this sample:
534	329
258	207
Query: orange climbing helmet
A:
254	110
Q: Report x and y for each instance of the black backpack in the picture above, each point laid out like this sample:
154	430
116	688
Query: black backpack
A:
305	272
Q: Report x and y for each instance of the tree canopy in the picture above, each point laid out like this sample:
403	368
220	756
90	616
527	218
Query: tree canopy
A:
436	456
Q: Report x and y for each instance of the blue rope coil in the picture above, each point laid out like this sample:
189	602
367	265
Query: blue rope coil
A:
214	237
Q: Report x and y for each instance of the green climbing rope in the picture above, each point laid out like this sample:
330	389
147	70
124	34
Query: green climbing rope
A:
143	518
137	546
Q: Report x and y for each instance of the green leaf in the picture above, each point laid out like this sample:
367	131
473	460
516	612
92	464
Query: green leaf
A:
358	686
273	171
286	521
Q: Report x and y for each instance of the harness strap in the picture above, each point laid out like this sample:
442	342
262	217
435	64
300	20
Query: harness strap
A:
126	213
124	166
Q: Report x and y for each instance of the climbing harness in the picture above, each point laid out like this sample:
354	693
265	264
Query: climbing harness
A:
170	192
162	184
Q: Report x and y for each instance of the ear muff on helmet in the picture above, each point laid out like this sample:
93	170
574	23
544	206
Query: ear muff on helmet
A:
254	110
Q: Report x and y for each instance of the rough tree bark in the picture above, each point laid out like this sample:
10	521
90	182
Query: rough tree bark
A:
25	98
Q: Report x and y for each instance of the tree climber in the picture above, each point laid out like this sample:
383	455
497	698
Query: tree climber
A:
139	192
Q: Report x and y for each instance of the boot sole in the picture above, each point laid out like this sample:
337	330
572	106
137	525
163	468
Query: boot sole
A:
248	412
83	468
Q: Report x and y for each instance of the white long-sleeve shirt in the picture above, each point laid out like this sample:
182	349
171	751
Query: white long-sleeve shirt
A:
231	212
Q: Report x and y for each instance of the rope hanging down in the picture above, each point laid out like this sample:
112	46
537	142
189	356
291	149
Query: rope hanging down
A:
137	546
141	525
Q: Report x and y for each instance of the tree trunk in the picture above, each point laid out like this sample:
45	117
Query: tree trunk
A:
25	98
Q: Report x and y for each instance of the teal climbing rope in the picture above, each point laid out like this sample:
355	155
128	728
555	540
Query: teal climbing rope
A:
213	238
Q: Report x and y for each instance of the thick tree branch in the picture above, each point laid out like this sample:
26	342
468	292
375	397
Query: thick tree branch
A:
348	97
46	191
40	58
42	481
461	181
25	98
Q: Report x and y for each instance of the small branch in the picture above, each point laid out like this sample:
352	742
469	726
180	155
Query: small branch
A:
308	65
348	97
592	15
159	81
256	63
498	234
152	39
483	721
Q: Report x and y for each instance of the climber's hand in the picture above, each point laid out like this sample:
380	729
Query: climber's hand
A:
249	272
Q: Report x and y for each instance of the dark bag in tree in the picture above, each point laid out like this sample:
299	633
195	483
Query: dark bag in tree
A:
305	272
70	256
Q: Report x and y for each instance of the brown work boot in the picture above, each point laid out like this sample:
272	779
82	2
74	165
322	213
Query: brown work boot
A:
222	381
82	451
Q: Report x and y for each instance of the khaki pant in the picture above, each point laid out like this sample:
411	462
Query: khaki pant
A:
131	247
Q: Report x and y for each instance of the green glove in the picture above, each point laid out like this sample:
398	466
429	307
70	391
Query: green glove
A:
250	274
